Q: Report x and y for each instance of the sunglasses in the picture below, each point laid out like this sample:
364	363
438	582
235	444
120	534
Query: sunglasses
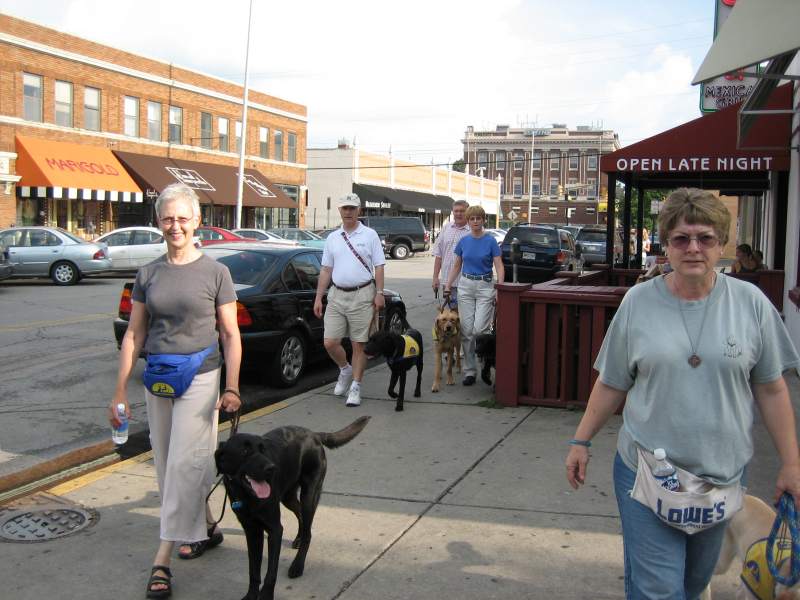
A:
704	240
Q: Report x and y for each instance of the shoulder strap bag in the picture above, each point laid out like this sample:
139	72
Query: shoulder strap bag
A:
355	253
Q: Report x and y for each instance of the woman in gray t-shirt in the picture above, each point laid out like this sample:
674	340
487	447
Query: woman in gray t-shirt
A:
690	353
179	300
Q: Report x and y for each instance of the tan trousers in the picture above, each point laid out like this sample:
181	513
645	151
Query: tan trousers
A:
183	435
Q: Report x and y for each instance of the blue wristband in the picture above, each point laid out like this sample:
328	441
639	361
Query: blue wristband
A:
584	443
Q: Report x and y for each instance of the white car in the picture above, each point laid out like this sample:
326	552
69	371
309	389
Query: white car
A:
264	236
133	247
497	234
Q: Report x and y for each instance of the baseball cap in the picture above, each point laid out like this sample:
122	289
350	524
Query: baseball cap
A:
349	200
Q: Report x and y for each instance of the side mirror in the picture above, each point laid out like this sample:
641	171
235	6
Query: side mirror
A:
516	251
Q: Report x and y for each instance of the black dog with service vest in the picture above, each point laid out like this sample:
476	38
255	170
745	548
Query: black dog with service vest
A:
402	352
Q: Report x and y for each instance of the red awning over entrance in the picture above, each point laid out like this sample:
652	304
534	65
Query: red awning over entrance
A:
708	144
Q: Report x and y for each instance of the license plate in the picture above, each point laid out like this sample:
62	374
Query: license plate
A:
528	256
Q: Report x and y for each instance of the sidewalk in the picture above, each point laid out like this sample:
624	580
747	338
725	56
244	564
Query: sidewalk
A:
445	497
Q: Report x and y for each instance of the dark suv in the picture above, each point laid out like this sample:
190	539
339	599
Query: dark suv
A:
591	242
401	235
546	249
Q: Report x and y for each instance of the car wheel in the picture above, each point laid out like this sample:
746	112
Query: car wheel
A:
400	252
394	321
290	360
65	273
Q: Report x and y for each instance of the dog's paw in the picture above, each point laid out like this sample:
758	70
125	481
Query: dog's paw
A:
435	388
451	381
296	570
398	408
392	394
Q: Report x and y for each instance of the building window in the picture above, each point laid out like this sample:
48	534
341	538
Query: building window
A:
500	160
592	183
535	210
131	108
590	210
175	125
591	161
554	160
554	189
536	187
237	128
222	131
278	144
91	109
483	159
206	135
572	191
291	144
536	163
154	121
519	157
64	103
573	161
32	101
518	187
553	210
263	142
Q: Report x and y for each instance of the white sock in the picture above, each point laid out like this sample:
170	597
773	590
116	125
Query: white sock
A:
347	367
356	385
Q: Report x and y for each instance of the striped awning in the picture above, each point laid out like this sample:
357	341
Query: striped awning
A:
62	170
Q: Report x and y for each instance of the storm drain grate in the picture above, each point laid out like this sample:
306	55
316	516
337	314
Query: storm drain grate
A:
39	521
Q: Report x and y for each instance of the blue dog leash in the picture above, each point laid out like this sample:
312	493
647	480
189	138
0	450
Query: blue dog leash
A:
786	519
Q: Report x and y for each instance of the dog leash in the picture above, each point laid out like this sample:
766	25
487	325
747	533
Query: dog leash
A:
786	519
237	415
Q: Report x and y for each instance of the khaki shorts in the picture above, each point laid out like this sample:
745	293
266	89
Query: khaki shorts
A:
349	314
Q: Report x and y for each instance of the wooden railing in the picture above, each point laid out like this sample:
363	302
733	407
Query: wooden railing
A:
549	334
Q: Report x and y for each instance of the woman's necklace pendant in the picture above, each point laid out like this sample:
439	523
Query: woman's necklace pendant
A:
694	361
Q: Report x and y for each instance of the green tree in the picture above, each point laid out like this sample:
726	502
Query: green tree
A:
459	165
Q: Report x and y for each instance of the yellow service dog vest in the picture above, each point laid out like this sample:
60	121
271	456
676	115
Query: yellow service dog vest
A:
755	572
411	347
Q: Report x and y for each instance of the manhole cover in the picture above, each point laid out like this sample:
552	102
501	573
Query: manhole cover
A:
43	517
42	525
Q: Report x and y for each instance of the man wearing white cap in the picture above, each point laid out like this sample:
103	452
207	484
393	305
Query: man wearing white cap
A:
353	263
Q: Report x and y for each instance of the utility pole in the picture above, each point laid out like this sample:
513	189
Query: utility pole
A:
530	177
240	183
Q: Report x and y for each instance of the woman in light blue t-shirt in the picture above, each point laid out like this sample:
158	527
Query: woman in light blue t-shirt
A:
475	255
721	349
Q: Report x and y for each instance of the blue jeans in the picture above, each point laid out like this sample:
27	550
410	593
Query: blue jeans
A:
661	562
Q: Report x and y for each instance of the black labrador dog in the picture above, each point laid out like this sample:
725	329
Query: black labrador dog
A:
285	465
402	352
485	349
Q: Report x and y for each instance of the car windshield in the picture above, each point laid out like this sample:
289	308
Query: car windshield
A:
592	236
535	236
247	267
71	236
310	235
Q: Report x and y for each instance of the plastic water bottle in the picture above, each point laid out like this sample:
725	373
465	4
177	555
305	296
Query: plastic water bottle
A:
664	472
119	435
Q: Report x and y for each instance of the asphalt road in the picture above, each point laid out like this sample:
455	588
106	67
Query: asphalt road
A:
58	364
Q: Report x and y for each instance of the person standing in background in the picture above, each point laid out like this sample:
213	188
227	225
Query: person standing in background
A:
445	244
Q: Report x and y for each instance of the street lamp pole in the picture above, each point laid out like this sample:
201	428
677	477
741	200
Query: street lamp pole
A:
243	143
530	177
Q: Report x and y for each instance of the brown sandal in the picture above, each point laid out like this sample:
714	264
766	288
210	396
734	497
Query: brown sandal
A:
196	549
159	580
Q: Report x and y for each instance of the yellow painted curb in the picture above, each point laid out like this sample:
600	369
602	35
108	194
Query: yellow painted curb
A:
88	478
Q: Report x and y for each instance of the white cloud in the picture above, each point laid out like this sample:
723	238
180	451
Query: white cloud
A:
414	74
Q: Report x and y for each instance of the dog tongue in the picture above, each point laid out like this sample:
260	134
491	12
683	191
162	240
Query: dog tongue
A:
261	488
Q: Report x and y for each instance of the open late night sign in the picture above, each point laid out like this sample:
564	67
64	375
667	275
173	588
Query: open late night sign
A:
695	164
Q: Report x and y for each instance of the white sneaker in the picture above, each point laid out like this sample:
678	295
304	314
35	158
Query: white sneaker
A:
354	397
343	383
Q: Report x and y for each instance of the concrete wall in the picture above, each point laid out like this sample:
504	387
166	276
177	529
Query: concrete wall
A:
330	176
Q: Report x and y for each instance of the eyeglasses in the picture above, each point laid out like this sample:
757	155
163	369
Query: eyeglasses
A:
170	221
704	240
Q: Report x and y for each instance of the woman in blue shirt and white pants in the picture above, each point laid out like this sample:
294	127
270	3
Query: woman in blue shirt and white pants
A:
475	255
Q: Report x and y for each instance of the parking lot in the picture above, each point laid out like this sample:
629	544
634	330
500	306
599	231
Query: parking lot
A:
58	363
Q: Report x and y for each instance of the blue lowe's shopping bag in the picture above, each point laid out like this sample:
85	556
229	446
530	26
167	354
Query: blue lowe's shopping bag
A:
170	375
696	506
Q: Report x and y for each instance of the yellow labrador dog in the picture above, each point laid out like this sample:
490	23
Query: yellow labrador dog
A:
447	337
748	527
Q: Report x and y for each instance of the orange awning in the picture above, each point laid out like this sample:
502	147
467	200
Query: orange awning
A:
61	169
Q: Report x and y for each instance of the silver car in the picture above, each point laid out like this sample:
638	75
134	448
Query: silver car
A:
133	247
53	252
264	236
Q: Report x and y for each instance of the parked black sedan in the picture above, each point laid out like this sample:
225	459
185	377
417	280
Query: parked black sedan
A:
546	250
275	287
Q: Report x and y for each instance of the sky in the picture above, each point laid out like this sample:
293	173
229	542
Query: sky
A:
411	76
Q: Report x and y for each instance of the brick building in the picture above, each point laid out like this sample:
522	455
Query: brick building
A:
90	134
565	186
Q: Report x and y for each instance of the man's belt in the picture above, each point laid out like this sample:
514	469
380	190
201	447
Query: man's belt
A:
353	289
484	277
